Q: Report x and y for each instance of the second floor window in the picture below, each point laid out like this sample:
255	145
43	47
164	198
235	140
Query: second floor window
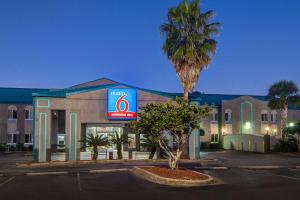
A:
12	114
28	114
274	117
214	116
264	117
228	115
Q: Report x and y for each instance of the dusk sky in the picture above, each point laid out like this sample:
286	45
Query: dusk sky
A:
55	44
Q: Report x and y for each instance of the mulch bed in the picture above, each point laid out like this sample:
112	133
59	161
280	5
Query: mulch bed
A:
183	174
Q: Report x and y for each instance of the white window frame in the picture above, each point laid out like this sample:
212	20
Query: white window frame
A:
27	109
214	138
10	112
229	113
30	139
274	117
264	116
12	138
214	116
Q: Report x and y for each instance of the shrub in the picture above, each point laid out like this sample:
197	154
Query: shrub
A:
287	145
3	147
203	145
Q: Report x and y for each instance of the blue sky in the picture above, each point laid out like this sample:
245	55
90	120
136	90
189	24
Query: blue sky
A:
58	43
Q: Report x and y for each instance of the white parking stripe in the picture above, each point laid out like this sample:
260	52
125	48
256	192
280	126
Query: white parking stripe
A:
8	180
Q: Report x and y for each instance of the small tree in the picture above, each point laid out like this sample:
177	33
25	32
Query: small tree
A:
119	140
95	141
283	94
179	118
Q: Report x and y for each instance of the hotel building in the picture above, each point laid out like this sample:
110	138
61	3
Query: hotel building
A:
54	122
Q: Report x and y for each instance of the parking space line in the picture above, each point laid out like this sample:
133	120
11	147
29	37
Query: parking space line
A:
79	183
8	180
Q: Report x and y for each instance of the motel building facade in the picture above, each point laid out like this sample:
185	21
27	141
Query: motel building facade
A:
55	122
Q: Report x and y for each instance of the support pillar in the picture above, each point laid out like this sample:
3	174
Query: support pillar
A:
73	130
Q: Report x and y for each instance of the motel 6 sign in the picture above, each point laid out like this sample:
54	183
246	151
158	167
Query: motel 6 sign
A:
121	104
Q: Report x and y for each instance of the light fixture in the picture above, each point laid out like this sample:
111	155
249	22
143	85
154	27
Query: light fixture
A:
267	129
291	124
223	131
247	125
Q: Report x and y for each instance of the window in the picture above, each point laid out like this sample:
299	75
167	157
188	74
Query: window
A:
228	115
264	116
214	116
274	117
12	112
214	138
28	138
28	113
12	138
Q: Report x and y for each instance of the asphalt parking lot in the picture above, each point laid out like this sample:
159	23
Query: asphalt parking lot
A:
236	182
246	184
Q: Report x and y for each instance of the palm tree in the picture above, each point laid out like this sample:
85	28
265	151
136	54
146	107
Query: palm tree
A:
118	141
96	141
189	43
151	142
282	94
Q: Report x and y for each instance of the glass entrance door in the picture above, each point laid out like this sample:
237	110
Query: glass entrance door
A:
106	131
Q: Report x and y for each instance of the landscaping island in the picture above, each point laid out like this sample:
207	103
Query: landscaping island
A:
176	178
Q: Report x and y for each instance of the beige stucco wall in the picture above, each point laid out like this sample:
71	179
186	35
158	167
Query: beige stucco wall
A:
89	107
19	125
258	106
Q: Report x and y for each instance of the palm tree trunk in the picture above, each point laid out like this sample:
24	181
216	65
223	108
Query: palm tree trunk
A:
119	151
186	93
95	153
284	116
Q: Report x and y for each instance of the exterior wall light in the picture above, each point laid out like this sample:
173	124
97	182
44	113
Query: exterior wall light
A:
247	125
267	129
291	124
224	131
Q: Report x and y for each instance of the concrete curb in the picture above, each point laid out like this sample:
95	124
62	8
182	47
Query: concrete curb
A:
108	170
46	173
262	167
211	168
171	182
56	163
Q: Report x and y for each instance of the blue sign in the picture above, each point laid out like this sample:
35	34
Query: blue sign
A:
121	104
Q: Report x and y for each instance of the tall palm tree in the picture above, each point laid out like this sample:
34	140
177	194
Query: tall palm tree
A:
95	141
282	94
189	42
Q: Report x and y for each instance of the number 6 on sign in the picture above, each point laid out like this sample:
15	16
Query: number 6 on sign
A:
121	104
